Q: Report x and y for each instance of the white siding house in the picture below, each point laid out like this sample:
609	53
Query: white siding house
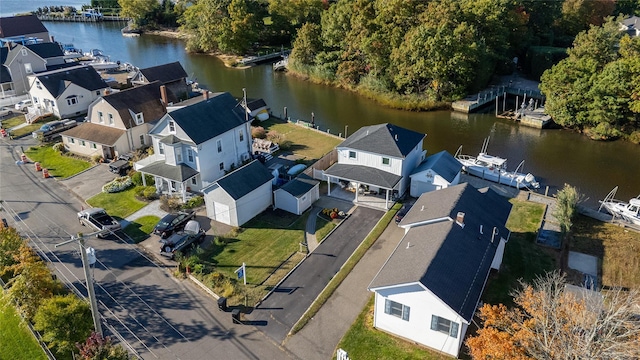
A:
429	287
436	172
239	196
297	195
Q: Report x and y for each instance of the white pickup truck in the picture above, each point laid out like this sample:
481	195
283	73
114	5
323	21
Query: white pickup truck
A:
99	221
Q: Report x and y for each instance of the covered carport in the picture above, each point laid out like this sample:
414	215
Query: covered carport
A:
385	184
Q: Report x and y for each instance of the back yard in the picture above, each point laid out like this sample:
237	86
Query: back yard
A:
307	144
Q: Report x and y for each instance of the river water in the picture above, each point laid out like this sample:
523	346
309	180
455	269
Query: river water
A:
555	157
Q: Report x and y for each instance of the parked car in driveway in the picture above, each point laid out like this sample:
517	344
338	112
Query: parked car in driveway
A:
181	240
173	222
402	212
23	105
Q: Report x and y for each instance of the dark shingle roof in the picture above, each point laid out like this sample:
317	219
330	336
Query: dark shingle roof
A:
99	134
450	260
209	118
364	174
3	54
384	139
84	76
443	163
21	25
244	180
178	172
5	76
143	99
256	104
300	185
46	50
164	73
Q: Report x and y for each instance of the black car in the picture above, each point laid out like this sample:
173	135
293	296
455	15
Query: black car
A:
172	223
402	212
120	167
182	240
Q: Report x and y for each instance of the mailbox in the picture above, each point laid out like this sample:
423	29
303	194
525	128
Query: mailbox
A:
235	316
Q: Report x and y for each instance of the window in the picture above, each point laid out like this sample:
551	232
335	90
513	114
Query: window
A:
110	119
72	100
23	52
172	126
219	142
178	157
139	119
71	140
444	326
142	139
396	309
221	166
385	161
93	146
241	135
38	85
161	148
190	155
97	92
194	181
82	143
352	154
100	117
27	68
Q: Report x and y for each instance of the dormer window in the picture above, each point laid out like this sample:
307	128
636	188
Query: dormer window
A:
72	100
172	126
139	119
385	161
352	154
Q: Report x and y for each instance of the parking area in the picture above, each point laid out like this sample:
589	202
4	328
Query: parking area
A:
89	182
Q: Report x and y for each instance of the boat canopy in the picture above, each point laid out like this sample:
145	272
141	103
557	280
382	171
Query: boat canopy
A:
492	160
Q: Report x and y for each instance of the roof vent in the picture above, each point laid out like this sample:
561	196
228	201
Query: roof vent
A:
481	233
422	208
460	219
396	137
408	245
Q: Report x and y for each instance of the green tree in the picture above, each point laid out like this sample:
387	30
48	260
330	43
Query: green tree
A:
64	321
566	203
10	243
204	22
240	29
297	12
306	45
33	285
138	10
98	348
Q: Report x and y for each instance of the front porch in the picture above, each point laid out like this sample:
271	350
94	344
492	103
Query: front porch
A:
172	180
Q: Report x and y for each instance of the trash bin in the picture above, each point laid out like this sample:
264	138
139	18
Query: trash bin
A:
222	303
235	316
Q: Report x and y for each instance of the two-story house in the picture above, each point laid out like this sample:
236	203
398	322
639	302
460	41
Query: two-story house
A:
117	123
66	92
197	144
171	75
20	61
380	157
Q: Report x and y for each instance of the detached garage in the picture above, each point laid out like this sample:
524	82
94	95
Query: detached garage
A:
436	172
297	195
240	195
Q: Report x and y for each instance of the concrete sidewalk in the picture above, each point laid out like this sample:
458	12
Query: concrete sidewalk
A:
319	338
151	209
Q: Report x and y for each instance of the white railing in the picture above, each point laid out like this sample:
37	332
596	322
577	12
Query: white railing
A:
342	355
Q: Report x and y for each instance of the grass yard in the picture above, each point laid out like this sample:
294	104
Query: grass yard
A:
619	249
24	131
120	204
523	258
14	121
323	228
322	143
363	341
140	229
16	342
58	165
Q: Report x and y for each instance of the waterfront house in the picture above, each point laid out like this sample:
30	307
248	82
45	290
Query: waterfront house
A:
196	145
23	29
117	123
437	171
19	61
171	75
430	286
297	195
240	195
65	92
379	158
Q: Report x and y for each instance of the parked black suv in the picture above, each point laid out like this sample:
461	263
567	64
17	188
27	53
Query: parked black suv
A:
172	223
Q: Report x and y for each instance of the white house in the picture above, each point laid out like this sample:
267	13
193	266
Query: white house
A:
297	195
429	288
437	171
198	144
66	92
380	157
240	195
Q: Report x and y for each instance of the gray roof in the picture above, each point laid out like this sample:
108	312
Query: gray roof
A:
100	134
300	185
21	25
170	139
179	172
209	118
443	163
364	174
244	180
84	76
143	99
450	260
632	22
385	139
46	50
165	73
256	104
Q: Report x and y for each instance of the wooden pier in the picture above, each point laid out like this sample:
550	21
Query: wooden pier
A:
278	55
81	18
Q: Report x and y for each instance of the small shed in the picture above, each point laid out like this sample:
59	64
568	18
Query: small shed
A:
297	195
437	171
240	195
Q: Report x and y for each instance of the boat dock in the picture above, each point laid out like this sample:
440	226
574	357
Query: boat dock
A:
81	18
278	55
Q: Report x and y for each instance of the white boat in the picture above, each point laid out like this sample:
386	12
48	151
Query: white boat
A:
94	53
494	168
102	63
627	211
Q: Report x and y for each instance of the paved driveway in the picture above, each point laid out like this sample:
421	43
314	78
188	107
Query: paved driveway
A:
280	311
89	182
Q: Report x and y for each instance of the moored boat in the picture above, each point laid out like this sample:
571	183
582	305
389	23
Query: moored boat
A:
494	168
627	211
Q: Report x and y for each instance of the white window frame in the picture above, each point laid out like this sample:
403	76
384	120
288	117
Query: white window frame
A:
352	155
178	157
71	140
73	100
82	143
27	68
388	161
142	141
161	148
93	145
396	309
139	119
172	126
110	116
194	181
444	326
219	145
190	155
100	117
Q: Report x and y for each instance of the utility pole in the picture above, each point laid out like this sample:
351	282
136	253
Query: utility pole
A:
86	266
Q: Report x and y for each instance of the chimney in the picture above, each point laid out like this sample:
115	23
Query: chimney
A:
460	219
163	94
205	94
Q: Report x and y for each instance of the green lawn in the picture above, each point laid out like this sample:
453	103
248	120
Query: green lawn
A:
120	204
523	258
323	228
25	130
16	342
14	121
57	164
301	136
363	341
140	229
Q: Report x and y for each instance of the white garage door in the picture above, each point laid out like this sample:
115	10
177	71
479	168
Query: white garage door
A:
222	212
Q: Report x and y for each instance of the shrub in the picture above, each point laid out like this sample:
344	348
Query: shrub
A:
150	150
170	203
117	185
603	131
258	132
97	158
194	202
59	147
150	192
285	145
275	137
635	137
136	178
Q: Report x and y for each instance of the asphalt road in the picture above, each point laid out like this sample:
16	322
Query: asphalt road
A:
281	310
156	315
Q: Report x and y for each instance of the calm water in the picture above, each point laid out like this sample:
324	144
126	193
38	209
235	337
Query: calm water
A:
14	7
554	156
